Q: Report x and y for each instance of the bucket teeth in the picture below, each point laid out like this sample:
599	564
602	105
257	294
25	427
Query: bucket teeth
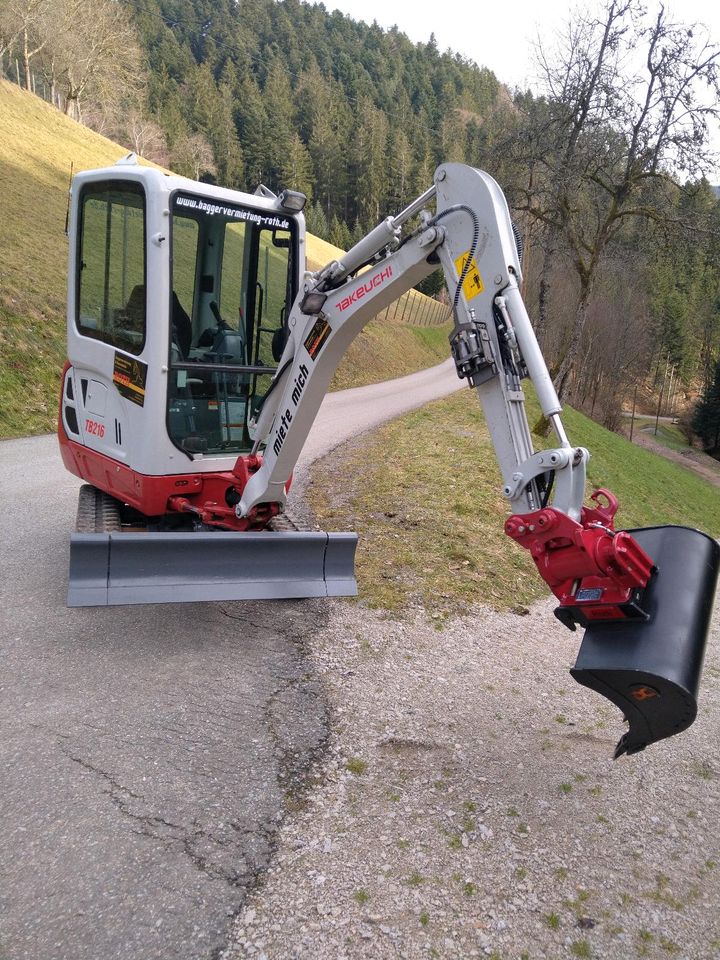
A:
623	746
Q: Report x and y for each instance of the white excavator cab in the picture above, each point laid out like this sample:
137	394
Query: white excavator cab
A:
179	293
236	268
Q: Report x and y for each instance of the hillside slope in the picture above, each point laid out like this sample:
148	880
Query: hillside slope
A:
38	147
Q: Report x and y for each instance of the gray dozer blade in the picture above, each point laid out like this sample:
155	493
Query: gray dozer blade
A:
651	670
108	569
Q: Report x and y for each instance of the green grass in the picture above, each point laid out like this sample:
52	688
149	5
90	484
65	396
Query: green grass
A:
31	361
651	490
423	492
356	765
384	351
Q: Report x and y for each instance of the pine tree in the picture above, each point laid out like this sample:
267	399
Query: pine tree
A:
371	162
339	234
706	417
399	170
252	125
316	221
277	98
296	170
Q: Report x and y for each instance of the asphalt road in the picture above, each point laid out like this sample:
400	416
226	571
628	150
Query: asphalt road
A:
147	753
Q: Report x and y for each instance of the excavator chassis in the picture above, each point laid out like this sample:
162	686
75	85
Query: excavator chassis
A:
109	568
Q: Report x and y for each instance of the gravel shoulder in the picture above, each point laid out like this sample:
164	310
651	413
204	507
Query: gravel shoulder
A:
467	806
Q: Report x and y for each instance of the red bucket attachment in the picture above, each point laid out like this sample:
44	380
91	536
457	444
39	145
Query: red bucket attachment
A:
651	669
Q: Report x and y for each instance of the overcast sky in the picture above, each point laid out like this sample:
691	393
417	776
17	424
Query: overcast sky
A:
497	35
501	35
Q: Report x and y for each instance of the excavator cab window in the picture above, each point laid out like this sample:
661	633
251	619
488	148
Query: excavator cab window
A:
111	265
234	277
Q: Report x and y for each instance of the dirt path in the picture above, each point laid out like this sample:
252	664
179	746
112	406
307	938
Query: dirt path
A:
694	460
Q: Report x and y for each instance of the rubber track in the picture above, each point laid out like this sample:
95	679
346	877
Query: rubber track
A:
285	523
97	511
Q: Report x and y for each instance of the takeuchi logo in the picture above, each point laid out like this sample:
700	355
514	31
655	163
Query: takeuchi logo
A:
365	288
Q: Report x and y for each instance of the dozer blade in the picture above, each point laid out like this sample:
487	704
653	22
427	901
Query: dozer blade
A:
108	569
651	670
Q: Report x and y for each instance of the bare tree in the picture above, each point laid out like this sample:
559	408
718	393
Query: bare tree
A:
99	58
146	136
27	23
10	30
627	103
192	155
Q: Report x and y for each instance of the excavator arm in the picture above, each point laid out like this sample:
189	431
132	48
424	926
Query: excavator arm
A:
493	343
625	588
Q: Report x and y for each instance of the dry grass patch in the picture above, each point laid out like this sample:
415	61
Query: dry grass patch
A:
423	493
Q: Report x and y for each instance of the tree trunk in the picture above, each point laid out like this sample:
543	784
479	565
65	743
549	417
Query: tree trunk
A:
562	379
26	62
545	286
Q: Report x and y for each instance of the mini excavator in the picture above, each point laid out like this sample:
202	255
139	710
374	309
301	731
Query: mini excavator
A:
199	352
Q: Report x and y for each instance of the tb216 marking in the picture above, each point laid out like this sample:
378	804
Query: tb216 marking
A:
95	428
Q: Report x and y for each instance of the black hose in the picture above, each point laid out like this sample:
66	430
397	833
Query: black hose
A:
457	207
549	480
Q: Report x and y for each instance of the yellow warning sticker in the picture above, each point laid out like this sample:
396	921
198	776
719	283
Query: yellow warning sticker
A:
472	284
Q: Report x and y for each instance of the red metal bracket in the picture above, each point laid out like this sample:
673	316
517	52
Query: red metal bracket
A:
596	572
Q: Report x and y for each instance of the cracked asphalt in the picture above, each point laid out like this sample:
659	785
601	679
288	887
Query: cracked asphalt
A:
147	753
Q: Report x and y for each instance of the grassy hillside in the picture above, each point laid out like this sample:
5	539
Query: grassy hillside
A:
37	147
424	494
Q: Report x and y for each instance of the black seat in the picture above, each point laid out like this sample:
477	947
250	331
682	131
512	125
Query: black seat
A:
181	327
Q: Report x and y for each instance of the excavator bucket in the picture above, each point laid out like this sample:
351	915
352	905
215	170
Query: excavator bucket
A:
123	568
651	669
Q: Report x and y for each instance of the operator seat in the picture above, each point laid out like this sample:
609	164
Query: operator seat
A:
181	327
132	316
